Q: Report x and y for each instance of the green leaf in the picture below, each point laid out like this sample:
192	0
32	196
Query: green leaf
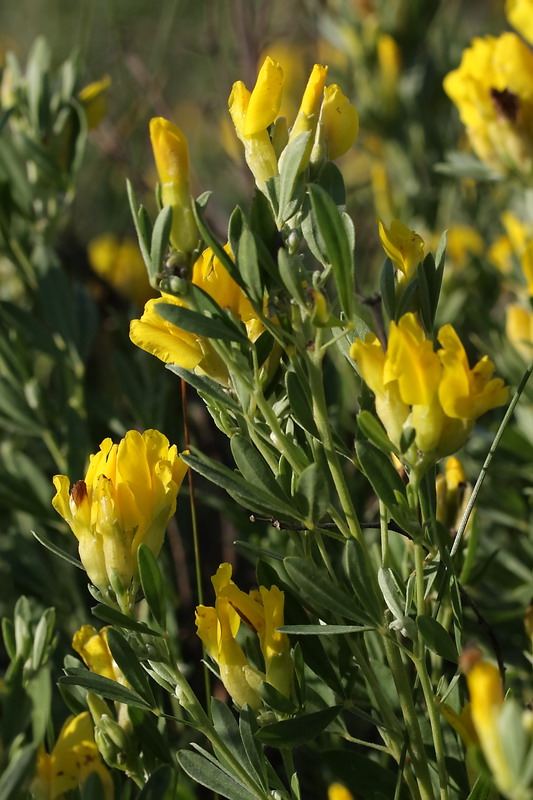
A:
8	636
331	180
381	474
323	630
251	496
199	324
253	466
114	617
254	752
437	638
212	777
374	430
105	687
18	773
362	775
227	727
483	788
275	700
337	244
159	243
42	637
248	266
312	494
389	589
318	590
387	286
128	661
205	386
74	562
152	583
143	227
299	403
356	568
291	168
292	275
291	733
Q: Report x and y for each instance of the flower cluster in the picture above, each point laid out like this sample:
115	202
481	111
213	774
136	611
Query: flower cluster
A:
325	114
493	90
218	626
436	393
127	498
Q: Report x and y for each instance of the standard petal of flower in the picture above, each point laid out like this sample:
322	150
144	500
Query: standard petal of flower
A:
265	100
164	340
93	648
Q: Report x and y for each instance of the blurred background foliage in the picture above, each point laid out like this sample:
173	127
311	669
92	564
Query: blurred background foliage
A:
412	161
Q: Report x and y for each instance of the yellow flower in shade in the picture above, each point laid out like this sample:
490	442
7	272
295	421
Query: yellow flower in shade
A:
127	498
519	330
436	393
520	15
92	646
94	101
486	703
404	247
171	155
462	243
493	90
462	723
262	610
173	345
337	791
120	263
73	758
453	493
390	65
254	113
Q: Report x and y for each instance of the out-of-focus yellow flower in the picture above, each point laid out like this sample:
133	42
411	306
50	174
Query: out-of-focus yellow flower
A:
404	247
262	610
500	254
493	90
463	242
73	758
253	114
174	345
520	16
337	791
436	393
127	498
94	101
486	702
92	646
121	264
453	493
171	156
390	65
461	723
517	231
519	329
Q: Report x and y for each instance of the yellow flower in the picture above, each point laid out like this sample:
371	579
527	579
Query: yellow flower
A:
172	161
519	329
73	758
453	493
390	65
462	723
520	16
436	393
463	242
337	791
173	345
253	114
404	247
92	646
127	498
94	101
339	121
493	90
262	611
486	701
121	264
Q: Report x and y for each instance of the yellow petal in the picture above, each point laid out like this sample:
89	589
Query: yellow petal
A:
370	360
412	361
75	756
520	15
265	100
164	340
339	120
93	648
404	247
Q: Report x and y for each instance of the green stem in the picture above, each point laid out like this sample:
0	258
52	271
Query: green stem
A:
320	413
436	731
384	531
405	696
